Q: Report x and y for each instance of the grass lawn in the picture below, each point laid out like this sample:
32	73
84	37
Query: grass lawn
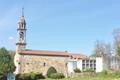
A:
97	77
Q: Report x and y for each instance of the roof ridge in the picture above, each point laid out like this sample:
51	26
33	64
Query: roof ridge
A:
45	50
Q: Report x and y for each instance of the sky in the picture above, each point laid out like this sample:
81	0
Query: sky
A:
72	25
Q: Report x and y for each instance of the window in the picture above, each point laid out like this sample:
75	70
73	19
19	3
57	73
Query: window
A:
22	35
74	65
91	61
83	61
44	64
87	65
87	61
94	61
91	65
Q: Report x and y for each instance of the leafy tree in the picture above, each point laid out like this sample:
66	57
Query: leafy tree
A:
6	63
12	54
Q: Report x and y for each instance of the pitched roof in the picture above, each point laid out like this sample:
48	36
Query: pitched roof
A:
44	52
78	56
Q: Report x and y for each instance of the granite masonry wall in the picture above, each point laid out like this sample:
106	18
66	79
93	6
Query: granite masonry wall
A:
40	63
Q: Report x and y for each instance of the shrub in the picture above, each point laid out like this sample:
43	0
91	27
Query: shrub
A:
117	74
50	71
29	76
3	77
57	76
32	76
88	70
24	76
77	70
40	76
105	72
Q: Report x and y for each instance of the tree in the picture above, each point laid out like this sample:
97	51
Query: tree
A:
6	63
105	51
101	49
116	35
12	53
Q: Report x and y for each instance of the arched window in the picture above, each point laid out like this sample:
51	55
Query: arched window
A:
22	35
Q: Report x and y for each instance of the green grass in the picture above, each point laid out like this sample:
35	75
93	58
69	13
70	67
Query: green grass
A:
112	76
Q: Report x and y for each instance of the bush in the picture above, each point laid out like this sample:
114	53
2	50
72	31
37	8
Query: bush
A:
77	70
105	72
40	76
29	76
24	76
57	76
32	76
3	77
50	71
117	74
88	70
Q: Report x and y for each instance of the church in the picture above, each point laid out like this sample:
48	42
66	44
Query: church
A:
27	60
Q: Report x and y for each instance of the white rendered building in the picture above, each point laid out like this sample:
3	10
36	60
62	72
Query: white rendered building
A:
82	63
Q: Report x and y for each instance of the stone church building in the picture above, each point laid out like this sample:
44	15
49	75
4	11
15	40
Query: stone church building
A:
37	60
40	61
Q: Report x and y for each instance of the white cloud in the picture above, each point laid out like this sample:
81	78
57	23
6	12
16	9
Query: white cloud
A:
10	38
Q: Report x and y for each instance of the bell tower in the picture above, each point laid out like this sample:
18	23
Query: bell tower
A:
21	33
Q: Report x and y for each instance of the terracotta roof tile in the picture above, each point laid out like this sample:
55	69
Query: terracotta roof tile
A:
52	53
78	56
44	52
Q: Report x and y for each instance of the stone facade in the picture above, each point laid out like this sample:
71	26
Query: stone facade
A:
40	63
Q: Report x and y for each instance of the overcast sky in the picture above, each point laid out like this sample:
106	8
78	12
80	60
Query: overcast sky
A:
72	25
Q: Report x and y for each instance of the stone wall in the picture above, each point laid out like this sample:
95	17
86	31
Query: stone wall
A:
38	63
